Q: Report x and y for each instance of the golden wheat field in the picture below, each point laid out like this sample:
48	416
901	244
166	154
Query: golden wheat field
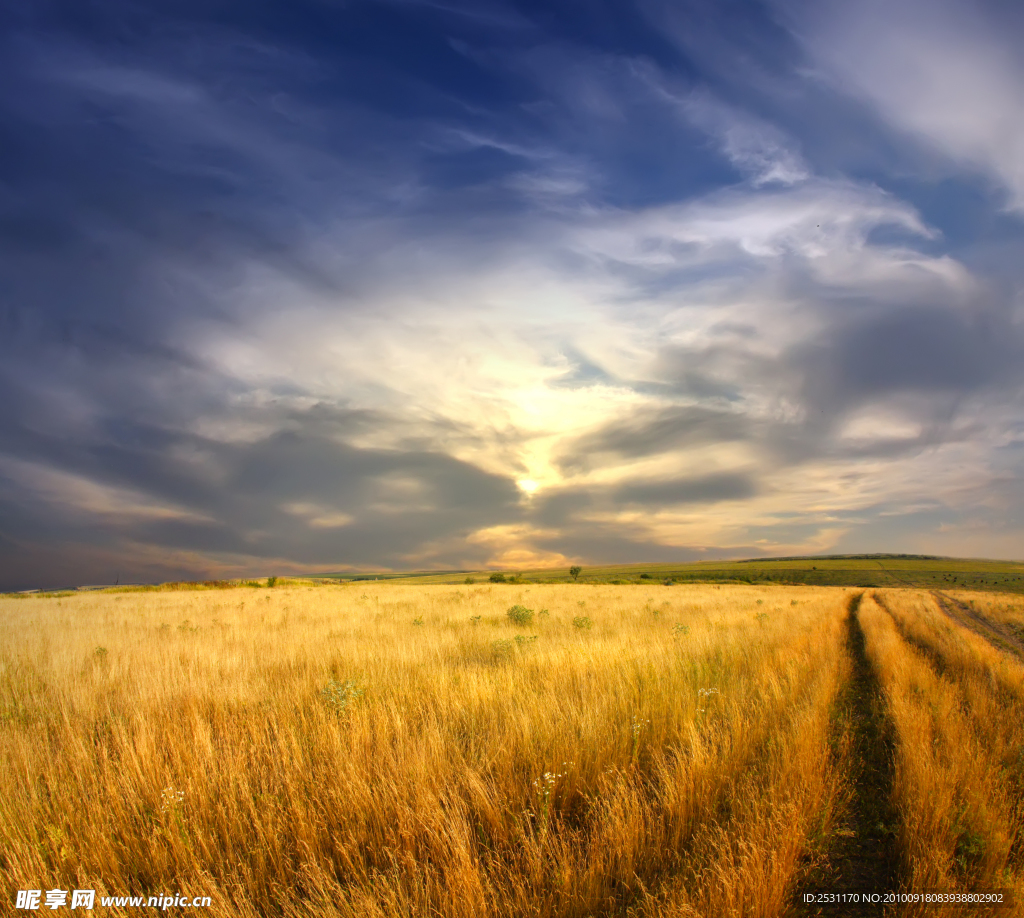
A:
511	750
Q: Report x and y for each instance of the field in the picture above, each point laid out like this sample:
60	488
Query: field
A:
871	571
386	749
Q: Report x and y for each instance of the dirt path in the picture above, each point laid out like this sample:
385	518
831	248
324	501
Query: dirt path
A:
863	857
993	632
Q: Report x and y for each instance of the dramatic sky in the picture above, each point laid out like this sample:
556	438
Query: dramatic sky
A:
326	284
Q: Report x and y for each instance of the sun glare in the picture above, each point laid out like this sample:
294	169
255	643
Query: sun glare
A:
527	484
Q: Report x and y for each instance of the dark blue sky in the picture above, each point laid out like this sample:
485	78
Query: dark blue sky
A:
305	286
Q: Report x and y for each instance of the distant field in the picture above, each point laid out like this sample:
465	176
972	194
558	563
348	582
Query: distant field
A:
863	571
384	750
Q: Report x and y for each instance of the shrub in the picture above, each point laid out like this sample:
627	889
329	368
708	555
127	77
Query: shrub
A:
503	648
469	580
497	577
583	622
520	615
340	696
271	581
645	576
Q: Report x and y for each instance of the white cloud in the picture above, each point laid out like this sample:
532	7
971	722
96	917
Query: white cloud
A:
872	424
318	517
756	148
938	69
759	150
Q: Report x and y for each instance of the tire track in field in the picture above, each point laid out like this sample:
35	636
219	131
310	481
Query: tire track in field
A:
863	856
934	658
999	637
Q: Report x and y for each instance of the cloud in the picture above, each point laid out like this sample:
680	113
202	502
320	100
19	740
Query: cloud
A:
654	431
269	303
937	351
758	149
949	73
703	490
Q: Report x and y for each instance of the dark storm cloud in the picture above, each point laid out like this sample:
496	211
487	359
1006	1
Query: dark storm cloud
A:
298	493
933	351
611	546
572	509
652	432
708	489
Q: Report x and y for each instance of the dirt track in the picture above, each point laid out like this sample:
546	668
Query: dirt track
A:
994	633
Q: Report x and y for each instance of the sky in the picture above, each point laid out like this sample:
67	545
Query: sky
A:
465	284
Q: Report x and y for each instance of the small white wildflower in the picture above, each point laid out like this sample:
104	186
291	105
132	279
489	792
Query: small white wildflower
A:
171	799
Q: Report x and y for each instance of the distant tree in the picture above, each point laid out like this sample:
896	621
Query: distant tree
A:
575	571
271	581
497	577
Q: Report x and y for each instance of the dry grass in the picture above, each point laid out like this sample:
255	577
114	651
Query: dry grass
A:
1003	609
957	707
385	750
184	742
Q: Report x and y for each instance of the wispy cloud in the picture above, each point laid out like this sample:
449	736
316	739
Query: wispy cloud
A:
948	72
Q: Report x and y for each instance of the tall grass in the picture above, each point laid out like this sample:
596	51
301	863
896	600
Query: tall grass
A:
956	708
1005	610
313	751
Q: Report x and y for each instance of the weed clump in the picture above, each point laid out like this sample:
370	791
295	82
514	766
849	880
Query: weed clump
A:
520	615
341	696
